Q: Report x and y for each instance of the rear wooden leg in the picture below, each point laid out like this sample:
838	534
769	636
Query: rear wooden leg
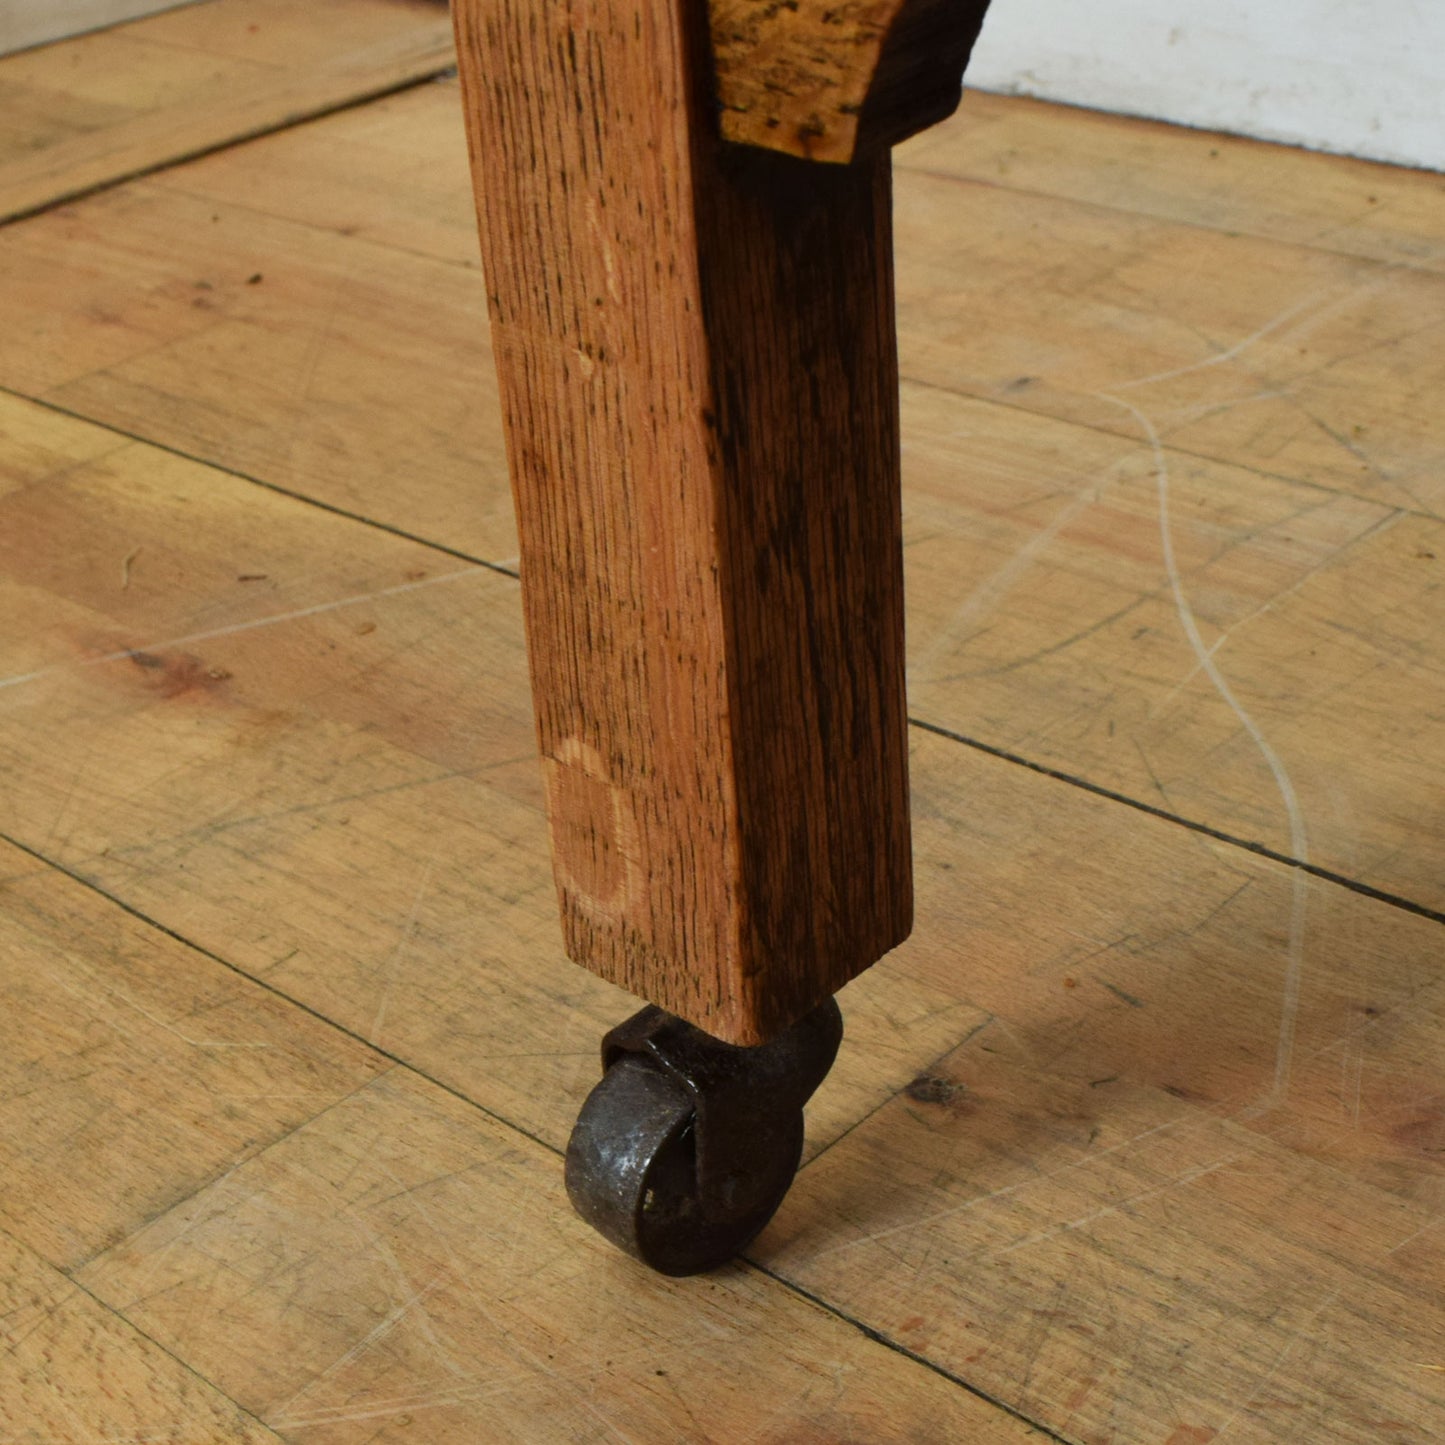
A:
695	345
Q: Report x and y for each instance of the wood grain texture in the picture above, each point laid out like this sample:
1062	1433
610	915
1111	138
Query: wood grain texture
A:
695	353
406	1269
1095	294
22	26
72	1370
1048	597
297	818
132	1070
273	377
832	82
129	100
358	373
1192	178
322	780
1186	1184
1294	361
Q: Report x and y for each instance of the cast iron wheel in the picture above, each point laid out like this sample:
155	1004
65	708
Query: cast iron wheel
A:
685	1149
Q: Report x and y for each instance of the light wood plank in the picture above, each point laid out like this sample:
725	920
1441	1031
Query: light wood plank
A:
277	32
1186	1183
1336	389
1129	975
282	378
1292	361
133	1070
71	1370
1200	178
1246	1268
356	174
37	442
1045	619
55	96
103	107
407	1268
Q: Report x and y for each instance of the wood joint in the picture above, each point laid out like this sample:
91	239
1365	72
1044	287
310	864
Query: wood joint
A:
831	80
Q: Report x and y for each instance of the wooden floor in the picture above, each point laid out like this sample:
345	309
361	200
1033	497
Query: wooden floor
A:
1141	1138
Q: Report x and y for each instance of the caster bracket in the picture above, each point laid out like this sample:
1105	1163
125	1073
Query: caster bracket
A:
685	1149
741	1097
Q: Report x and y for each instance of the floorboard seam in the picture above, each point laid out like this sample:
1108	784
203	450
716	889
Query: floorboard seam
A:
879	1338
1261	850
1134	440
130	1324
142	917
130	910
328	507
156	1215
1153	218
81	193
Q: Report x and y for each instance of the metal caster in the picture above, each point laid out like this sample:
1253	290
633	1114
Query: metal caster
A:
687	1146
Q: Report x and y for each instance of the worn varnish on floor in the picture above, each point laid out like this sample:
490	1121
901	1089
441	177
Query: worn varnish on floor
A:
1139	1137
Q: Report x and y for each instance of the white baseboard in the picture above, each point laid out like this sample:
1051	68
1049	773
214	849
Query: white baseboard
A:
24	23
1336	75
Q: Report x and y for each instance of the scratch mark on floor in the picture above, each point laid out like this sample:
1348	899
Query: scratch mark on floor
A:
529	1359
411	1302
1185	1123
1188	1177
442	1399
388	968
1299	838
1425	1228
1390	518
272	620
1203	411
1220	357
991	591
1304	1329
97	984
379	1331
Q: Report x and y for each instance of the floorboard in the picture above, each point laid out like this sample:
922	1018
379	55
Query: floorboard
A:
1200	178
88	112
73	1370
307	747
392	1273
321	797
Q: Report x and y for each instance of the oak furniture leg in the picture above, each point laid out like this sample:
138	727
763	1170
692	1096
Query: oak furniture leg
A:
685	225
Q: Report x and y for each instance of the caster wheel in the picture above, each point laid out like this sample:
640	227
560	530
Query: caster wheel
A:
685	1149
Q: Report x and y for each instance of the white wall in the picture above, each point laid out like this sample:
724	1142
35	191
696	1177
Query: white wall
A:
24	23
1363	77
